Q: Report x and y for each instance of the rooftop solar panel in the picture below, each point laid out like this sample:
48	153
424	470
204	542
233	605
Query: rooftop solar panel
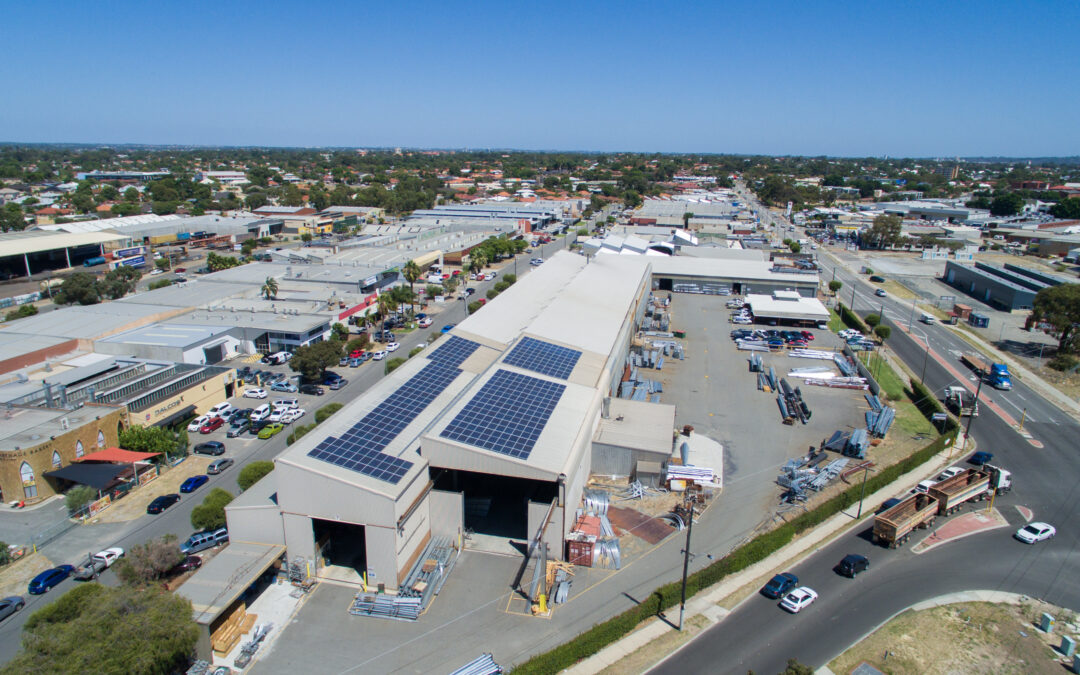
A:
507	414
543	357
453	351
360	447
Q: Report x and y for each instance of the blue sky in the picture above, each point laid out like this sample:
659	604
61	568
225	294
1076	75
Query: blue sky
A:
841	78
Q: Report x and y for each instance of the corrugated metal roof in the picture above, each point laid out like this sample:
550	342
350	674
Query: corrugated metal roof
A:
33	241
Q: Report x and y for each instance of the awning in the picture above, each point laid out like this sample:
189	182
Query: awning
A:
226	576
118	455
97	476
178	415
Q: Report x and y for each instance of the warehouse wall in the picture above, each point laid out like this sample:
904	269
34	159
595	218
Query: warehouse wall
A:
257	524
447	511
299	537
618	461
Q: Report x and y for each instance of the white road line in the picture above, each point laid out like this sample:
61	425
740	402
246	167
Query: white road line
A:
1028	418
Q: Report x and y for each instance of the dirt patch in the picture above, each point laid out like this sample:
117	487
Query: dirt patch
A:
15	577
975	637
134	505
645	657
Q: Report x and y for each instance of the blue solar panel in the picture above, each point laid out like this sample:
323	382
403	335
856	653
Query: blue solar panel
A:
360	447
507	414
543	357
453	351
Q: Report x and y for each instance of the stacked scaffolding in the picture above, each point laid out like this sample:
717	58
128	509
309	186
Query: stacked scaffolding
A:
804	474
423	582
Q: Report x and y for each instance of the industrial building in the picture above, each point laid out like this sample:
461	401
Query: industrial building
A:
23	254
788	308
495	428
705	213
716	276
1007	288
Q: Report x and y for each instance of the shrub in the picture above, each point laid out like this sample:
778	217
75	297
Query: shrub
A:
872	320
146	563
21	313
298	432
491	293
510	279
160	283
357	343
78	497
253	473
392	364
501	286
851	319
474	306
326	411
210	515
1063	362
414	351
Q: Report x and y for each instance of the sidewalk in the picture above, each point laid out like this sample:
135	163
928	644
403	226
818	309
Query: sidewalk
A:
706	603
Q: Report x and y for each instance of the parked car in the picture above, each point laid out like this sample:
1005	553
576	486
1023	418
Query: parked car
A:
392	346
220	409
379	355
447	328
194	483
468	292
219	465
311	389
285	403
211	425
852	564
196	424
536	261
426	322
284	386
779	585
1035	532
798	599
10	605
291	415
255	393
191	562
200	541
270	430
161	503
209	448
238	427
50	578
260	413
343	361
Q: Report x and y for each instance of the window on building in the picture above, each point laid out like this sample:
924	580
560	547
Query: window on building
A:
78	449
56	462
101	439
28	481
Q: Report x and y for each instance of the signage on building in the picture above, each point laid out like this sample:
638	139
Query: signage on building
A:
128	252
166	408
367	302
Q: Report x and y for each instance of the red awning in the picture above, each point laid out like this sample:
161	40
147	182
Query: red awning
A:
118	455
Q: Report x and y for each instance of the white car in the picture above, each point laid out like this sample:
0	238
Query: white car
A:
110	555
424	323
220	409
949	473
1035	532
798	599
291	415
392	346
742	320
197	422
536	261
379	355
156	271
255	393
277	415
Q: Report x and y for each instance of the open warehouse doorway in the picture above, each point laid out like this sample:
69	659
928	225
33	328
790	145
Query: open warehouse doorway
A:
496	507
342	549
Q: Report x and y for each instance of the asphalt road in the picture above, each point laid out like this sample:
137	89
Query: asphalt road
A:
78	541
759	636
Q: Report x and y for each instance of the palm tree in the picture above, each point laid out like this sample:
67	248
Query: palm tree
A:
270	288
412	273
387	304
476	264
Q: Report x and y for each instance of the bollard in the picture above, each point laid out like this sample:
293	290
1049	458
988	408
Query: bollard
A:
1068	646
1046	623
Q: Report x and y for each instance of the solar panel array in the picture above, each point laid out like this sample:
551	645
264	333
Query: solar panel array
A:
543	357
360	447
453	351
507	414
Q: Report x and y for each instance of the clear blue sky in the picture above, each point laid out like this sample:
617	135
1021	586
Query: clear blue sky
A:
842	78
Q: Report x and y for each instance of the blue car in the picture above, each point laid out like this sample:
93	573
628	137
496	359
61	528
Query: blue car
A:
49	578
981	457
447	328
779	585
194	483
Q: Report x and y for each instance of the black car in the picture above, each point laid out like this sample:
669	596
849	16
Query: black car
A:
313	389
257	426
209	448
242	413
163	502
852	564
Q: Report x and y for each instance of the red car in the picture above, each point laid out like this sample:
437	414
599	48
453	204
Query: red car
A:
211	424
807	335
356	354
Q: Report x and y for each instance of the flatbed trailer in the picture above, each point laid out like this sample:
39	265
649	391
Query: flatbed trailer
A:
952	493
894	526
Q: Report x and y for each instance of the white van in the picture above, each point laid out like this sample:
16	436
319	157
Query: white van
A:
928	319
286	403
260	413
279	358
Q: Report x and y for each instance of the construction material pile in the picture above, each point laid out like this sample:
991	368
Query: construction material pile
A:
698	475
879	418
423	582
637	387
481	665
791	403
592	541
802	475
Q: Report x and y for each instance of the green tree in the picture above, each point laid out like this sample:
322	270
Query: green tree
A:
451	285
216	262
872	320
160	283
210	515
269	288
255	200
311	361
357	343
1008	204
253	473
248	247
1058	308
79	288
119	282
686	219
796	668
153	439
339	331
795	247
146	563
131	195
835	285
412	274
78	497
1068	209
883	332
885	230
124	209
12	218
98	629
306	237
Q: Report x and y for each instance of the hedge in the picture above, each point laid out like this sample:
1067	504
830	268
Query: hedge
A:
756	550
851	319
928	404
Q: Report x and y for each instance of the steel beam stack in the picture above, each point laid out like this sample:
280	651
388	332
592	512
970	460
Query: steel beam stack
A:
482	665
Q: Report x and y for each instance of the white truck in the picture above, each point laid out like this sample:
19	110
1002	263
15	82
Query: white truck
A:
961	401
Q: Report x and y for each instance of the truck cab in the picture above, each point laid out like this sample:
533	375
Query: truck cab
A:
999	376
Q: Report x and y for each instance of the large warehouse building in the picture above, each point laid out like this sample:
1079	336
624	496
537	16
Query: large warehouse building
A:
1007	288
492	429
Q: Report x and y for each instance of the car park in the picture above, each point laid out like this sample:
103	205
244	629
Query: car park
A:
161	503
194	483
392	346
311	389
209	448
852	564
211	425
219	465
270	430
200	541
238	427
284	386
196	424
255	393
285	403
1035	532
10	605
779	585
799	599
50	578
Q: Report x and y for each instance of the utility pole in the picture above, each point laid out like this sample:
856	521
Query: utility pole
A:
971	418
926	356
866	471
912	317
852	308
686	561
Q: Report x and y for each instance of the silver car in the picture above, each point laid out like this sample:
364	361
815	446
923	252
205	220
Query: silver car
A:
10	605
219	465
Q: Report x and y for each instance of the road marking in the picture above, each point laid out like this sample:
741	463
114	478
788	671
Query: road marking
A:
1028	418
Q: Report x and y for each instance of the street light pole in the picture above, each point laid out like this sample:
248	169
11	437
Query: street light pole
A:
866	471
912	317
926	356
686	562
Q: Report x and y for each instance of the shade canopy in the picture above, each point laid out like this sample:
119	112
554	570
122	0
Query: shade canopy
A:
97	476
